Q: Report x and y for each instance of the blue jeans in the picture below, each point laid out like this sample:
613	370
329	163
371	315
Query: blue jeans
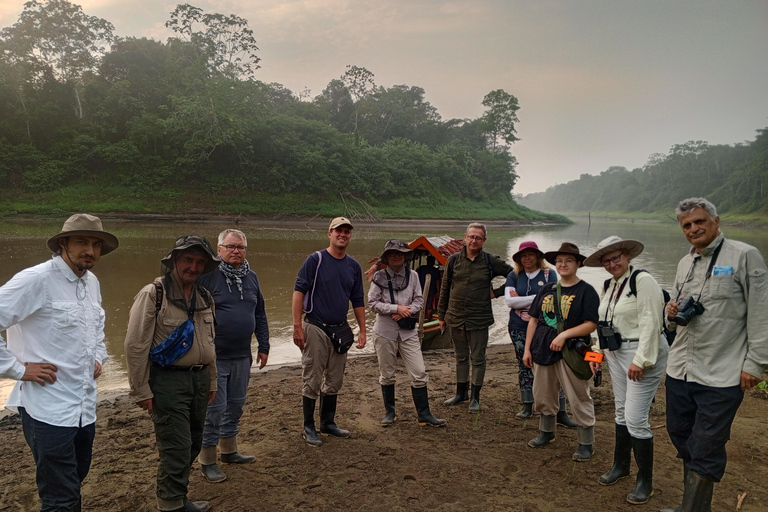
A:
63	458
699	422
223	415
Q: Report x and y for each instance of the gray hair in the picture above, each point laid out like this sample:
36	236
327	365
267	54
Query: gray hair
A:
478	226
686	206
236	232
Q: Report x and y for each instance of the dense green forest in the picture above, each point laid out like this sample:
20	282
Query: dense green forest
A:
135	124
735	178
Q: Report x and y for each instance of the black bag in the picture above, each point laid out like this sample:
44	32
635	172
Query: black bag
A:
407	323
341	335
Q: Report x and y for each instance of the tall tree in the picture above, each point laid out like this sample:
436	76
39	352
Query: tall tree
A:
56	38
359	83
501	116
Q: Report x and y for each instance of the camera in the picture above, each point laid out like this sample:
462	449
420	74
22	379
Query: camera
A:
598	378
578	345
609	338
686	310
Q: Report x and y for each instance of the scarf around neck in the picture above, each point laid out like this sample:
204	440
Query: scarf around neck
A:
235	275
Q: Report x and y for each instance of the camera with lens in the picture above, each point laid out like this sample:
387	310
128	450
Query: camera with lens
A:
579	345
609	338
686	310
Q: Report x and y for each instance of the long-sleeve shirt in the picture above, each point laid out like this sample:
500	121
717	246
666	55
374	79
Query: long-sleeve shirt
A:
381	303
525	287
465	296
237	319
636	317
52	316
731	335
146	331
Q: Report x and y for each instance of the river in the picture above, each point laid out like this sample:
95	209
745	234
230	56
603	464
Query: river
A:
276	252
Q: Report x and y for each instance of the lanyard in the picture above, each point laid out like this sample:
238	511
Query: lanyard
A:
612	309
715	254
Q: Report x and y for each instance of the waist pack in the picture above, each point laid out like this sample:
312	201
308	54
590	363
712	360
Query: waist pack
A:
172	348
407	322
341	335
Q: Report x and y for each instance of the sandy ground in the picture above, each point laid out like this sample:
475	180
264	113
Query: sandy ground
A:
477	463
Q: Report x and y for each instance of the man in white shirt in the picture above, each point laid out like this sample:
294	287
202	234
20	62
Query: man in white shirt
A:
55	325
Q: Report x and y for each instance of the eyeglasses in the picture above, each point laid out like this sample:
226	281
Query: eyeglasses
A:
231	247
566	261
475	238
615	260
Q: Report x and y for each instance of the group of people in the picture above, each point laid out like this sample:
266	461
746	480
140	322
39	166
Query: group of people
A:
189	357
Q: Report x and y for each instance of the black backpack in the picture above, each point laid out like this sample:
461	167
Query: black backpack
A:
633	291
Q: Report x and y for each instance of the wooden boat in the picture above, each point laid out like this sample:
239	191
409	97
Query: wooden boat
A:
441	247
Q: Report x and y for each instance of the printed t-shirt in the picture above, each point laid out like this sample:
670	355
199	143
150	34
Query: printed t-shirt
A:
578	304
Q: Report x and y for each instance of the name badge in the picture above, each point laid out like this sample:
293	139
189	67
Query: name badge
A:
720	270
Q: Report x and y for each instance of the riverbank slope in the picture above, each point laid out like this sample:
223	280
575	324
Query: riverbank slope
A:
476	463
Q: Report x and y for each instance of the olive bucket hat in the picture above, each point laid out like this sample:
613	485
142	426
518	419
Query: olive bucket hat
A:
395	246
86	225
187	242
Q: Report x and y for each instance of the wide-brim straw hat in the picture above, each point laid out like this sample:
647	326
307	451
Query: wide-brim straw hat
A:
611	244
527	246
565	248
187	242
86	225
397	246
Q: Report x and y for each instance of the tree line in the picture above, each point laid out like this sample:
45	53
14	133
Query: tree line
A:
80	105
734	177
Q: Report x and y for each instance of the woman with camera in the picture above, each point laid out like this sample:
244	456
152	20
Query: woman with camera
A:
564	312
630	333
530	274
395	296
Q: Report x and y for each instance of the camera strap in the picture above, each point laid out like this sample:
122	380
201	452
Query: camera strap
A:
560	321
715	254
612	309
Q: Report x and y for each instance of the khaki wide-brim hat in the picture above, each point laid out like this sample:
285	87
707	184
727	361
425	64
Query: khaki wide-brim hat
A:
611	244
86	225
189	241
565	248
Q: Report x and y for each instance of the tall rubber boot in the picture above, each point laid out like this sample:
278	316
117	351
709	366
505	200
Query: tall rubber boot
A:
327	417
388	393
562	417
643	490
622	457
474	401
229	453
310	434
211	471
586	438
461	394
526	397
697	496
421	401
546	432
679	507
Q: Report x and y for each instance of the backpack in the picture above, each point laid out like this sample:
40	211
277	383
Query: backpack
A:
633	291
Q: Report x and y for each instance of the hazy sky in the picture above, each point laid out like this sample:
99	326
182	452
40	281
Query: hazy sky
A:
600	83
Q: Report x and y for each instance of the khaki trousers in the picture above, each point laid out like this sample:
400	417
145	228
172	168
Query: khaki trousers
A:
547	381
410	351
322	368
469	346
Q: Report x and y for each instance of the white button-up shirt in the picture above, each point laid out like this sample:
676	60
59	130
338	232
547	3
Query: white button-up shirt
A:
52	316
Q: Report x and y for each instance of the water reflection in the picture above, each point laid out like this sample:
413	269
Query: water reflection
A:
277	252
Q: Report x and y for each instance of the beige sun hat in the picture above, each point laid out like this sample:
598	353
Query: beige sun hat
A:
340	221
87	225
610	244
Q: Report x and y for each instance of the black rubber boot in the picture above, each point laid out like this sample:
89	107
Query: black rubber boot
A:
562	417
421	401
461	394
194	506
679	507
310	434
643	490
543	439
586	439
622	457
474	402
327	415
525	413
388	393
79	506
229	453
697	496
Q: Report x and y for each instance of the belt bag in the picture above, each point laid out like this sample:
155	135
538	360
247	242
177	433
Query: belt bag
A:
341	335
172	348
408	322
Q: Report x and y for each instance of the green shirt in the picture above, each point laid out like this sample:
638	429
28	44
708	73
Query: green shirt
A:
465	296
